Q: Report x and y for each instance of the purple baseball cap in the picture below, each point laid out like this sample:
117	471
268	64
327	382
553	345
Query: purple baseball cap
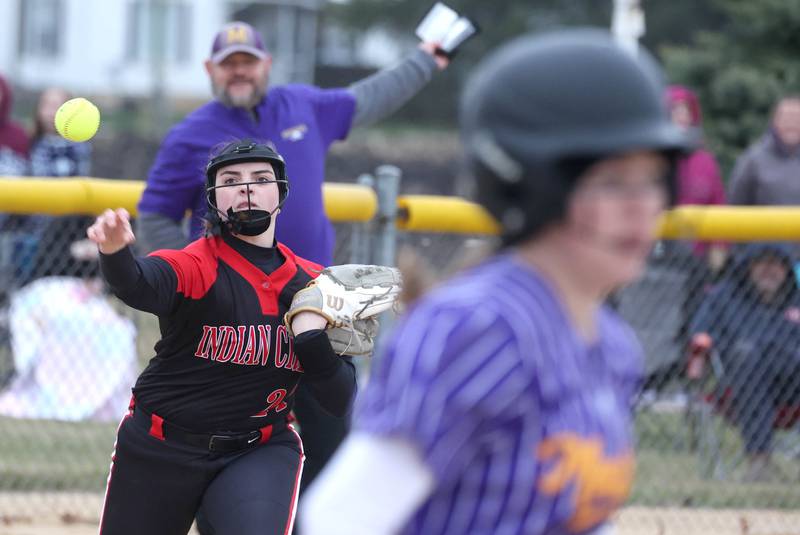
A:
237	37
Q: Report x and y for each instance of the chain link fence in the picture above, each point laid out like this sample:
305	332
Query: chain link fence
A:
717	419
716	422
717	427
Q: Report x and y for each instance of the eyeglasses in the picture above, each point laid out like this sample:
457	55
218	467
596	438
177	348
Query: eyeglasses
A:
620	188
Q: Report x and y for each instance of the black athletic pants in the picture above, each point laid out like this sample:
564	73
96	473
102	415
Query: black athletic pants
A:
157	487
321	432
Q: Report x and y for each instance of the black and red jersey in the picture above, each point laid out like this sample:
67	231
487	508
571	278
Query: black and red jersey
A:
225	360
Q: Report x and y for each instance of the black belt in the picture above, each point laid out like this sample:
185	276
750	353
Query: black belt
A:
222	443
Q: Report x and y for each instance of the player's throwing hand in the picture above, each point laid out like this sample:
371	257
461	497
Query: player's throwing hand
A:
112	231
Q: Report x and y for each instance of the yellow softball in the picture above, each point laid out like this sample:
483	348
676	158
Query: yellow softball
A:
77	119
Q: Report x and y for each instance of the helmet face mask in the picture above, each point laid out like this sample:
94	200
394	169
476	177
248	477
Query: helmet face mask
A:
248	222
542	109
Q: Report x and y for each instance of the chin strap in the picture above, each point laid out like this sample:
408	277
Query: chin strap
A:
248	222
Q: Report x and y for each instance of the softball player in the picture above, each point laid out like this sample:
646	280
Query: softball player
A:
502	403
207	433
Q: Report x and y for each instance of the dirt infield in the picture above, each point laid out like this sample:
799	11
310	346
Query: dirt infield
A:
683	521
77	514
52	513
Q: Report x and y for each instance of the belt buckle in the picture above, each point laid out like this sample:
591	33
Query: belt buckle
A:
215	443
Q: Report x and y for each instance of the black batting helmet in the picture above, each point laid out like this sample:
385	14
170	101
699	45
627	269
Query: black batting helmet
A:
247	222
541	109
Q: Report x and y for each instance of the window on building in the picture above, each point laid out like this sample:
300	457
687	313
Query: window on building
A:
39	28
162	28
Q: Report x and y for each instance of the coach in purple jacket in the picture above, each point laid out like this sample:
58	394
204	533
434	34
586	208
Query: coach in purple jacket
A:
302	122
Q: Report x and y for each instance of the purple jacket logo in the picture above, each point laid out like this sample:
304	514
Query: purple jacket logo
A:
295	133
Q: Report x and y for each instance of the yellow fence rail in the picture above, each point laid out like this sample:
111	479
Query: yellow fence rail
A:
732	223
80	195
422	213
435	213
416	213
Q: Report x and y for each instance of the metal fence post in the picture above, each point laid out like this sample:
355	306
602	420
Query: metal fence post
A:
360	240
387	185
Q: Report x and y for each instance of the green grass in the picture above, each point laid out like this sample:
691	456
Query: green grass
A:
49	455
668	473
673	480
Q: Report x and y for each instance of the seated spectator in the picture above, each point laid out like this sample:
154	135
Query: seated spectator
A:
753	320
74	355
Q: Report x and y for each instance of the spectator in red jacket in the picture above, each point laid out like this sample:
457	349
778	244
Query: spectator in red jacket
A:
699	176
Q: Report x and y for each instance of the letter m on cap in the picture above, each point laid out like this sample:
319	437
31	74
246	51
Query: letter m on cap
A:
236	34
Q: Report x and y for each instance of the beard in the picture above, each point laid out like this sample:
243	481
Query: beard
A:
246	101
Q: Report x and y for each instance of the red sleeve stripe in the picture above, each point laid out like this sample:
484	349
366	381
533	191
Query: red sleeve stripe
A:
195	267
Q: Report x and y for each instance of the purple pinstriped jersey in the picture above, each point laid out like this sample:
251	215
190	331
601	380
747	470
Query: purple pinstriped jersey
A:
526	427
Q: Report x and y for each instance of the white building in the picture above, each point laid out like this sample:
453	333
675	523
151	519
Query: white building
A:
144	47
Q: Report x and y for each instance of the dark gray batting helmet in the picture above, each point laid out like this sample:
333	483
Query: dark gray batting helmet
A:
542	108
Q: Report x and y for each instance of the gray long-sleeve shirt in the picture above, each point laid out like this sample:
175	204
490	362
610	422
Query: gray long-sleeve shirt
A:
766	174
381	94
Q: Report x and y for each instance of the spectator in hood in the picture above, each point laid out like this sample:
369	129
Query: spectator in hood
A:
753	322
699	177
768	173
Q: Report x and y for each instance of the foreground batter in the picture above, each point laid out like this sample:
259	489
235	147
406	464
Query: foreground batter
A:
207	433
502	402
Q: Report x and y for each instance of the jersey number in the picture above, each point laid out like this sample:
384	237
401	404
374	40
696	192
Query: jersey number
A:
275	402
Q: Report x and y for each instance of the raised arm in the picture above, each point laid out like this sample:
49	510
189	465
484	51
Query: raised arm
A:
381	94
